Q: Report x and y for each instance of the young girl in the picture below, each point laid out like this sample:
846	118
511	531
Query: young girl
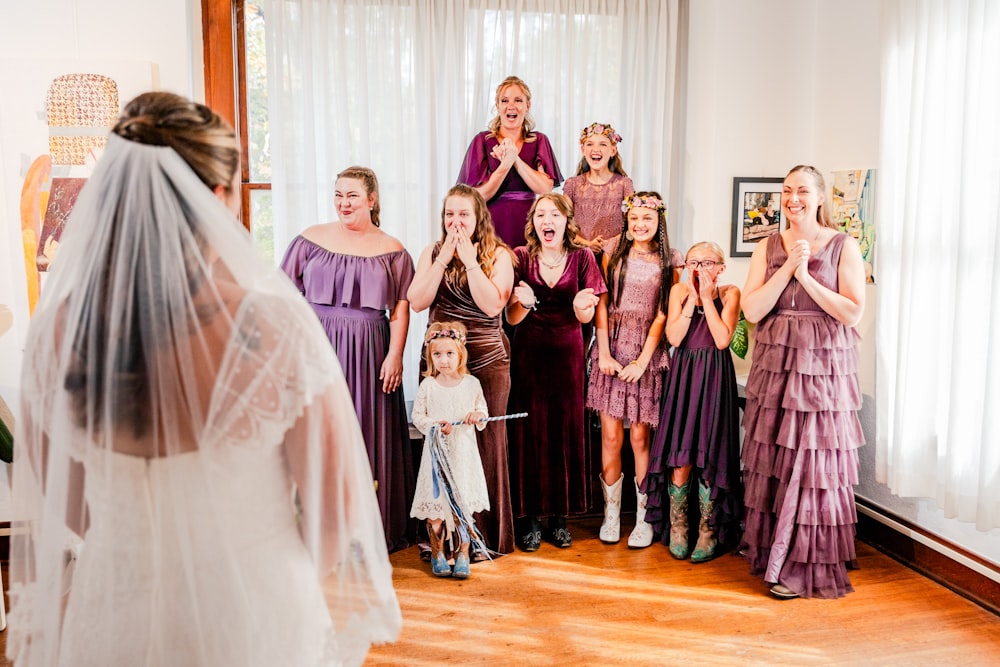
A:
699	427
600	185
628	360
451	485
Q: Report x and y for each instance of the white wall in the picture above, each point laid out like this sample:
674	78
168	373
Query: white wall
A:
164	38
772	84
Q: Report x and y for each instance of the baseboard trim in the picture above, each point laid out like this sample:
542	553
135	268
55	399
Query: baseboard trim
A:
938	559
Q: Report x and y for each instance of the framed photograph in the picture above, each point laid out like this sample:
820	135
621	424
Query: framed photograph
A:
756	212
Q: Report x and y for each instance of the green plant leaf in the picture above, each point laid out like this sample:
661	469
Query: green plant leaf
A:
741	338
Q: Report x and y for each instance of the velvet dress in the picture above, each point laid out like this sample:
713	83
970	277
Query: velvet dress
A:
489	362
549	463
597	209
351	296
700	428
800	451
512	201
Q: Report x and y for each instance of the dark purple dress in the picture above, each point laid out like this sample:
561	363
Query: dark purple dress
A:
800	451
351	296
512	201
549	464
489	362
699	427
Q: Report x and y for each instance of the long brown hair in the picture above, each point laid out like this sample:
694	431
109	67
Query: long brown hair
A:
617	268
571	238
484	234
822	212
370	181
528	126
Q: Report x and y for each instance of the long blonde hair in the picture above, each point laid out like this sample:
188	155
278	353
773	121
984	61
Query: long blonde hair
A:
571	238
528	126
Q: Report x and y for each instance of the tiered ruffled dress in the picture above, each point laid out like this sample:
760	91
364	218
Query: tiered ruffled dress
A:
628	326
699	428
800	456
351	295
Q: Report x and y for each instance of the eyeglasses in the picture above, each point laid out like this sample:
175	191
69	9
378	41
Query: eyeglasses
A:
703	264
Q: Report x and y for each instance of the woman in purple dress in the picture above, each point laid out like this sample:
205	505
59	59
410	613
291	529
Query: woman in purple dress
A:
510	163
467	277
600	186
356	276
558	288
805	288
699	427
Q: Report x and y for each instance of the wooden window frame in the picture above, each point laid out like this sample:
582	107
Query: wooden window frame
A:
224	53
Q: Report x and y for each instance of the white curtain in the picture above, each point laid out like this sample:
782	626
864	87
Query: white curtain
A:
938	378
402	86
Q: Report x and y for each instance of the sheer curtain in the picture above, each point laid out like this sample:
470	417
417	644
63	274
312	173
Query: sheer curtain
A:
402	86
938	388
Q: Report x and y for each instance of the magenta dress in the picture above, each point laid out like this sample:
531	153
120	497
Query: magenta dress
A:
699	427
549	463
489	362
628	326
800	457
512	201
597	209
351	296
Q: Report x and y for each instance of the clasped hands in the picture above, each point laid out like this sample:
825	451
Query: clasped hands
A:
630	372
506	152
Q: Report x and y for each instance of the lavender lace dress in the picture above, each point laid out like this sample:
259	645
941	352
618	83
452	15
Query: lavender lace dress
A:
628	325
351	296
699	428
800	455
598	208
512	201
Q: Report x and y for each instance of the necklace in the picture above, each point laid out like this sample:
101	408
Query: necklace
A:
645	253
554	265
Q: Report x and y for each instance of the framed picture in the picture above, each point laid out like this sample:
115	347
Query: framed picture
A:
756	212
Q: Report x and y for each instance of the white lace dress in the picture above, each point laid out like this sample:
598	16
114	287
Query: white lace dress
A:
435	403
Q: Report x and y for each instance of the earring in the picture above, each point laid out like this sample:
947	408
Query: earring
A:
628	235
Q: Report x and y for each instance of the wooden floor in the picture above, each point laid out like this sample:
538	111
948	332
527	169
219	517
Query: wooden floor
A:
595	604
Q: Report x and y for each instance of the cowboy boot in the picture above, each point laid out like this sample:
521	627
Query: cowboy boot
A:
611	528
642	534
704	550
439	562
461	569
678	520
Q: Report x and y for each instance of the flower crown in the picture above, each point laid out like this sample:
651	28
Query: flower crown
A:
643	202
600	128
453	334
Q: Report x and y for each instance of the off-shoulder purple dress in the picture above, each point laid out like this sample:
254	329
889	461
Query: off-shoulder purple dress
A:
700	427
512	201
800	451
597	209
549	462
351	296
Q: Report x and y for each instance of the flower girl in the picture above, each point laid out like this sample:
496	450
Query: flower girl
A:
451	485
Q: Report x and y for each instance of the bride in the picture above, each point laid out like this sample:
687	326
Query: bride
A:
182	412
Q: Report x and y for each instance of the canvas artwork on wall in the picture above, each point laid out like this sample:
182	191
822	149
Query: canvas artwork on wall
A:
853	211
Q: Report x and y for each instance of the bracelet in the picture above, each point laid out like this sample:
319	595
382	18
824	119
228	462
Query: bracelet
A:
533	306
437	260
470	269
690	317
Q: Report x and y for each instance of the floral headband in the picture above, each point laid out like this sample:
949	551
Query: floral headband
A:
453	334
600	128
643	202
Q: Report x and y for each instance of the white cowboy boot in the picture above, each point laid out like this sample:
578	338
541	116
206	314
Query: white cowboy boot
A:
611	528
642	534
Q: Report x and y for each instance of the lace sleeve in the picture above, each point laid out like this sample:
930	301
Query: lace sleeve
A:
420	418
480	402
